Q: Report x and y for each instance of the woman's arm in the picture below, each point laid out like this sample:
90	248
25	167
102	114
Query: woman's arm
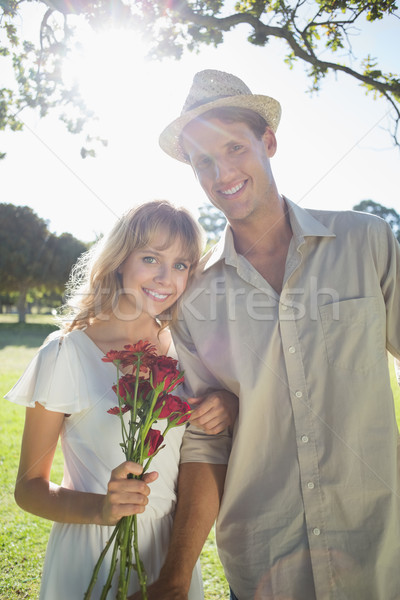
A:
35	493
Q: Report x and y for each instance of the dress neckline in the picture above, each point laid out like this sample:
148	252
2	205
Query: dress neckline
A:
170	347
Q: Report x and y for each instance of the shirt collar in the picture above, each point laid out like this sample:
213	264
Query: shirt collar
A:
304	224
301	220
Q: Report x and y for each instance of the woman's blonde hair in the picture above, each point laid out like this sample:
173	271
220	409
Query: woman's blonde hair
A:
94	284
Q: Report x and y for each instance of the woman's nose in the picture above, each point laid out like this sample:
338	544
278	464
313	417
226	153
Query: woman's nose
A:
163	274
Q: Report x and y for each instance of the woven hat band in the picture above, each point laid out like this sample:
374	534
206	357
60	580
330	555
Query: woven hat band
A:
202	102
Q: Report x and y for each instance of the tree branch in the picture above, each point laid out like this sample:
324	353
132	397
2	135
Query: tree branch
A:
231	21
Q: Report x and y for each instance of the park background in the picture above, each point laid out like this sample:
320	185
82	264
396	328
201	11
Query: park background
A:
334	151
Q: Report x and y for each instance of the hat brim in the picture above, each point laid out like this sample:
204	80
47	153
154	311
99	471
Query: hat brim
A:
267	107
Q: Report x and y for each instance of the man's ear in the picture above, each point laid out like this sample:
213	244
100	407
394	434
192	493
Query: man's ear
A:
270	142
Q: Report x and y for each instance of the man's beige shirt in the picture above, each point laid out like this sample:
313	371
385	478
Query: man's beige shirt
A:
311	507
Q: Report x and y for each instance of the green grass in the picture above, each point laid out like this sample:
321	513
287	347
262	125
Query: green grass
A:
23	537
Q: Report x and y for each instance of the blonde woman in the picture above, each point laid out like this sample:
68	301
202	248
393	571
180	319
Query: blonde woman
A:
123	290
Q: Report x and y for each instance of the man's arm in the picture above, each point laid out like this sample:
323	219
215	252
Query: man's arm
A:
200	487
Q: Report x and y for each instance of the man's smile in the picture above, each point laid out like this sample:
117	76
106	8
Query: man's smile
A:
234	189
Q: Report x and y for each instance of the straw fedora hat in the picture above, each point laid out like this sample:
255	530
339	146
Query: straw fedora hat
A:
213	89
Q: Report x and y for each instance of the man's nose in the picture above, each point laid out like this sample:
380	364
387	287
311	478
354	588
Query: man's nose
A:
223	170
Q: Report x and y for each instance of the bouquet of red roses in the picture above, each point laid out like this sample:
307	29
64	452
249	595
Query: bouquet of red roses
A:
145	393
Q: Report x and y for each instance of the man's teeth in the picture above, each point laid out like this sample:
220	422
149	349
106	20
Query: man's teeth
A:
157	295
234	189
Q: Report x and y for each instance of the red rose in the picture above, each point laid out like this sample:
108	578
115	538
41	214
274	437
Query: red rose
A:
172	407
184	411
164	370
153	441
144	388
126	387
168	404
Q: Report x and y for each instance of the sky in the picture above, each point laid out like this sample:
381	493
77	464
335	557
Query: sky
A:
334	149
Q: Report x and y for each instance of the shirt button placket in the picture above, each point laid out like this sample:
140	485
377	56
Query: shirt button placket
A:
305	435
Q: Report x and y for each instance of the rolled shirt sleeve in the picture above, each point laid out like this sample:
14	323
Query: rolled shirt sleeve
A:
198	446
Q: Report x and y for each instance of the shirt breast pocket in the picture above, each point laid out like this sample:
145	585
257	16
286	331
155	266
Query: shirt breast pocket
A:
354	333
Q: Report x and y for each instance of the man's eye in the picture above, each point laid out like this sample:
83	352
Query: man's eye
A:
203	162
149	259
237	147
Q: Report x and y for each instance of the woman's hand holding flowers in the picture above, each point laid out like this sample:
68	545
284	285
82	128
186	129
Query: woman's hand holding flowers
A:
126	496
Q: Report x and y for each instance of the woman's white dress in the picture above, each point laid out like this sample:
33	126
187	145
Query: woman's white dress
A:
70	377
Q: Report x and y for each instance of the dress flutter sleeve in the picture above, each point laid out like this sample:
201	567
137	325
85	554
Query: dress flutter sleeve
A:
53	378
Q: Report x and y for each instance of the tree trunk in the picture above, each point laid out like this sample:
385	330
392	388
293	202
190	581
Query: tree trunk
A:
21	305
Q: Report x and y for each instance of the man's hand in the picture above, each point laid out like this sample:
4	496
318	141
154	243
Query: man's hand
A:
215	411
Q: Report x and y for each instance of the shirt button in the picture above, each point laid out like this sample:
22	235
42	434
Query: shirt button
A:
316	531
304	438
299	394
292	349
310	485
284	307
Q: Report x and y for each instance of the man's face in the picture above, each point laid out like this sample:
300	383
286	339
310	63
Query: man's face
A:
232	165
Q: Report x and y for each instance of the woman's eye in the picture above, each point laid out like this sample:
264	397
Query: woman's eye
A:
181	266
149	259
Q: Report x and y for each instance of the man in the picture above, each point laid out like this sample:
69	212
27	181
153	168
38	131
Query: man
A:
293	311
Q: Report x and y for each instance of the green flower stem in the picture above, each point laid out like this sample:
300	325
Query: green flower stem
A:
113	567
146	466
141	573
95	574
121	416
150	417
131	439
125	539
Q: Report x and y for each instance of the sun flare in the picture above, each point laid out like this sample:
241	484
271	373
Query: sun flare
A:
105	66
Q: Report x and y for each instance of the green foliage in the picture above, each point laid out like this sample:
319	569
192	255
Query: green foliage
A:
38	69
313	30
31	256
388	214
212	221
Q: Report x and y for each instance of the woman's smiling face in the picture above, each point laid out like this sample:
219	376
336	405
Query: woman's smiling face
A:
153	277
